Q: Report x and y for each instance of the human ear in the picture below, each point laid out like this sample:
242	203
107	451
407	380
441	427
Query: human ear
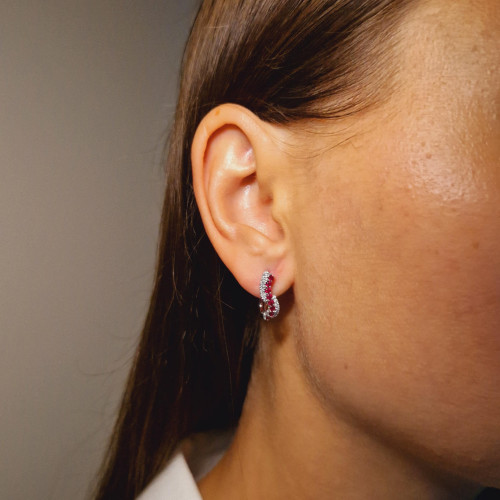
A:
234	159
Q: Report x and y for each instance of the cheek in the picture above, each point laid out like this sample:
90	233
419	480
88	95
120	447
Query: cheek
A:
398	296
398	277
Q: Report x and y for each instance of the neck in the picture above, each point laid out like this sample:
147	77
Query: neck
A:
290	445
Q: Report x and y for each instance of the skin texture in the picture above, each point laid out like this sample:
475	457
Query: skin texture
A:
381	376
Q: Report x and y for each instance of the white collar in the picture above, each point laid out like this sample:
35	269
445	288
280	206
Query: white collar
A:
177	481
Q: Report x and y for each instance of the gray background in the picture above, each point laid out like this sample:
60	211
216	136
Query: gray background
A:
87	90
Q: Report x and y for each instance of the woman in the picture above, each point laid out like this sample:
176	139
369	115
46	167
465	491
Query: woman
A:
351	150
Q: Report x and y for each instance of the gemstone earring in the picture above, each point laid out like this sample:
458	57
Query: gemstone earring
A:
268	305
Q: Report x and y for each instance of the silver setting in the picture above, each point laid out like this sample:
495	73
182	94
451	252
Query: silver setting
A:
269	306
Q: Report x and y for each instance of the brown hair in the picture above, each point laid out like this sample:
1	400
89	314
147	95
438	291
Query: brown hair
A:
286	61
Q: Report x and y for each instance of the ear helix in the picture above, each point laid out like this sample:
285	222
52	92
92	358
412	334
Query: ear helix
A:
268	305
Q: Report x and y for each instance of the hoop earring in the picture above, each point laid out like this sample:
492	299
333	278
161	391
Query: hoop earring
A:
268	305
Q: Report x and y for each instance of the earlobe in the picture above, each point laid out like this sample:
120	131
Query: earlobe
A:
233	157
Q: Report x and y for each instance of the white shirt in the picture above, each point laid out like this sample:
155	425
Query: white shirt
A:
177	481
